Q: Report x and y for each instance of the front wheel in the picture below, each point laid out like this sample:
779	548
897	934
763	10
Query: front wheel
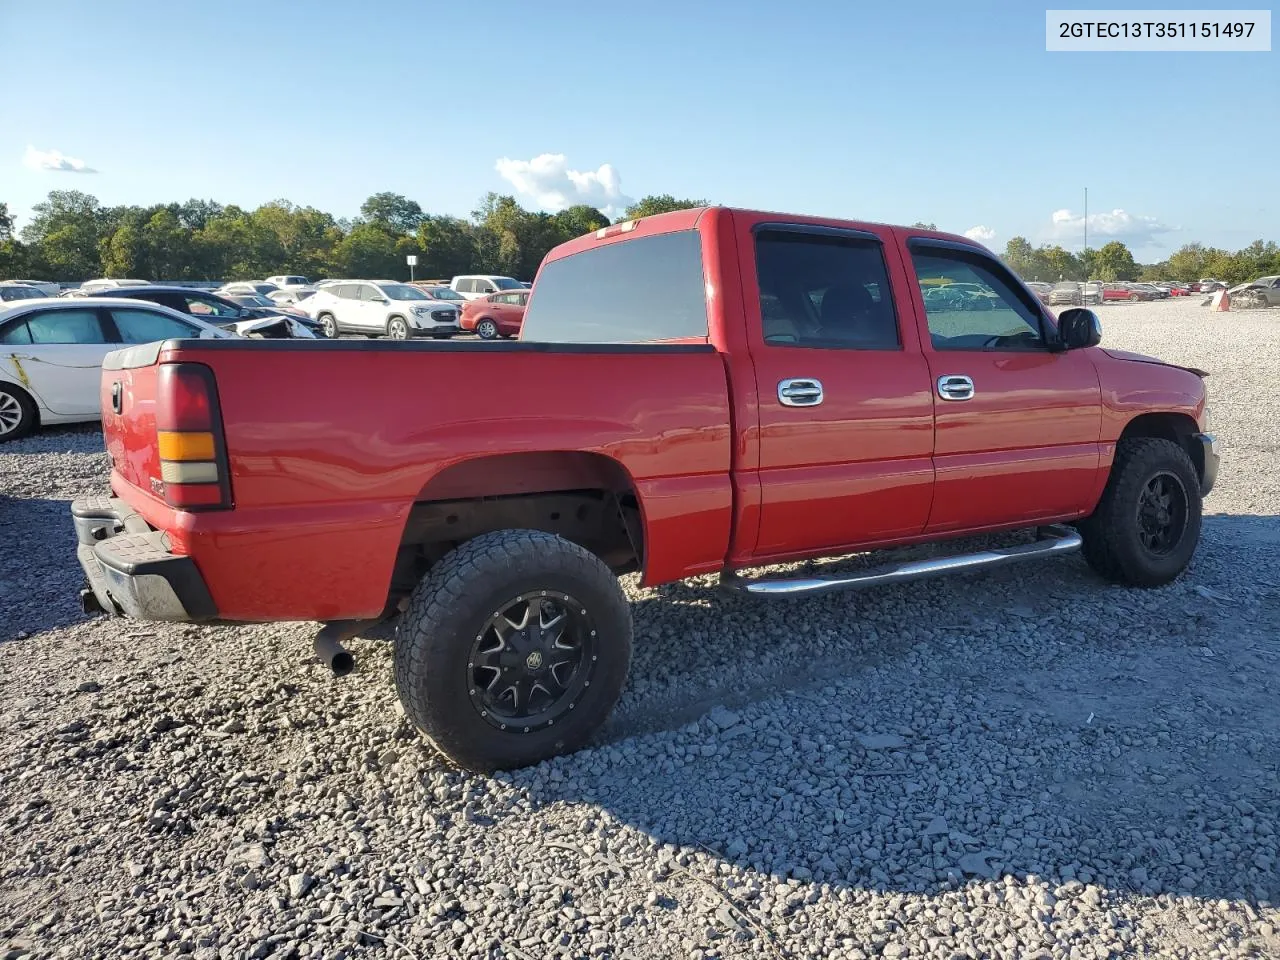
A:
397	329
328	325
1147	524
486	329
513	649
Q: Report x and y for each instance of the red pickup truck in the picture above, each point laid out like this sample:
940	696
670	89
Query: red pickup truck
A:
704	391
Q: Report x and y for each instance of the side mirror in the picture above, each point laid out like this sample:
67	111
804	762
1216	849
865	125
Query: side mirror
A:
1079	328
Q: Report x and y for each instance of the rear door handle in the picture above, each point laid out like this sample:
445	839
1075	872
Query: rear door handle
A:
800	392
117	396
955	386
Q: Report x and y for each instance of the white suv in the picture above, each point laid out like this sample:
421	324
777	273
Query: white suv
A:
380	308
475	286
285	281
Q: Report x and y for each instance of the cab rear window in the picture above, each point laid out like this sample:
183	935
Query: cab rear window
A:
634	291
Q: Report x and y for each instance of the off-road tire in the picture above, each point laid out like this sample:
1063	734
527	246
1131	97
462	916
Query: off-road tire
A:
449	609
17	402
1112	545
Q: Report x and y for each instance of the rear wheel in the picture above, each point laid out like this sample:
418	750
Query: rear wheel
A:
513	649
18	414
486	329
328	325
1134	298
1147	525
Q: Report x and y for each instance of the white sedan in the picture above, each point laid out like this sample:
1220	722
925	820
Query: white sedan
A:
51	354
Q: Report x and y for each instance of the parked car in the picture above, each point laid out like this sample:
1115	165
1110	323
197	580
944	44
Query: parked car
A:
493	495
1091	293
258	317
1066	292
11	290
1041	290
46	287
259	288
285	281
380	308
91	287
443	292
51	352
1117	290
1263	292
496	315
472	286
1147	291
289	296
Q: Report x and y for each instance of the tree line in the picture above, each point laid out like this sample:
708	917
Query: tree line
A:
71	236
1114	261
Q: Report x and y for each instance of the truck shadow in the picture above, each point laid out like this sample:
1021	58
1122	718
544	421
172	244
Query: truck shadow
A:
1033	721
39	586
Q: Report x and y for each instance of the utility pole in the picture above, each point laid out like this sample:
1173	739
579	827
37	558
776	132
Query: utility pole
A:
1086	225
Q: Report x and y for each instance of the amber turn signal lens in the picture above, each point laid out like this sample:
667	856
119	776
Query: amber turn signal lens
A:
185	446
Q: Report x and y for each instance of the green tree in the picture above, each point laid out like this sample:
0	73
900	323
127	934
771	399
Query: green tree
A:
921	225
1113	261
1022	259
447	247
661	203
579	219
6	223
65	229
369	251
393	212
1061	264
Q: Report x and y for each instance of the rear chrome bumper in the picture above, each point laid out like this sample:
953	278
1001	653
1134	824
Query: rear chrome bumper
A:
130	570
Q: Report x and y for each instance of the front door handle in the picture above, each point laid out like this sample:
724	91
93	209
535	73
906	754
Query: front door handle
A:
800	392
955	386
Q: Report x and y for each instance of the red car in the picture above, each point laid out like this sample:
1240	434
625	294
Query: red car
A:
496	314
790	395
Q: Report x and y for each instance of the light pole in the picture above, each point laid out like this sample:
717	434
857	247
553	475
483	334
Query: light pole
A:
1086	228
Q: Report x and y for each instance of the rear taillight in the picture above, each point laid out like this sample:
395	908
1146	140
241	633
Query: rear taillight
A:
193	454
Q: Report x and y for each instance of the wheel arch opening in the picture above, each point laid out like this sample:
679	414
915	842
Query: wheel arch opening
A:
1179	428
587	498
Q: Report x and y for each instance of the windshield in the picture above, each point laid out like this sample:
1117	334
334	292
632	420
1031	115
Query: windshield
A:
20	293
402	291
506	283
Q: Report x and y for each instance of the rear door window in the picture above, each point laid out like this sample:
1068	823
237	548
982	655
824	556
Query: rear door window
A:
148	326
822	289
65	326
632	291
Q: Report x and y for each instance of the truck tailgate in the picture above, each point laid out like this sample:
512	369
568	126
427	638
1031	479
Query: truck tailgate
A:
128	395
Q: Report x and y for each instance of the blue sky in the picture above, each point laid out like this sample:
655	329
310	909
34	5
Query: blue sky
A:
949	112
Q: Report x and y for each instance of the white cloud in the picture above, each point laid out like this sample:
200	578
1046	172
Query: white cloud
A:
1133	231
548	180
981	234
54	160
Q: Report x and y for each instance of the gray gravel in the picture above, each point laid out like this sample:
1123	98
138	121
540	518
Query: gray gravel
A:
1026	764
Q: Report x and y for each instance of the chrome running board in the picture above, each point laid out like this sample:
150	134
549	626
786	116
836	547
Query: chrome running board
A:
1051	541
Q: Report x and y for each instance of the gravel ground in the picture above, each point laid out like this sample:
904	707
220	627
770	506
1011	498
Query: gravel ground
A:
1025	764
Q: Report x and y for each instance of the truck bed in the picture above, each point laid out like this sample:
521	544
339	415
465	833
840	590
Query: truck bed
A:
331	443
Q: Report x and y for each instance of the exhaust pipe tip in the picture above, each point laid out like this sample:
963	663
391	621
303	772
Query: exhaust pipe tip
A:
329	648
342	663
